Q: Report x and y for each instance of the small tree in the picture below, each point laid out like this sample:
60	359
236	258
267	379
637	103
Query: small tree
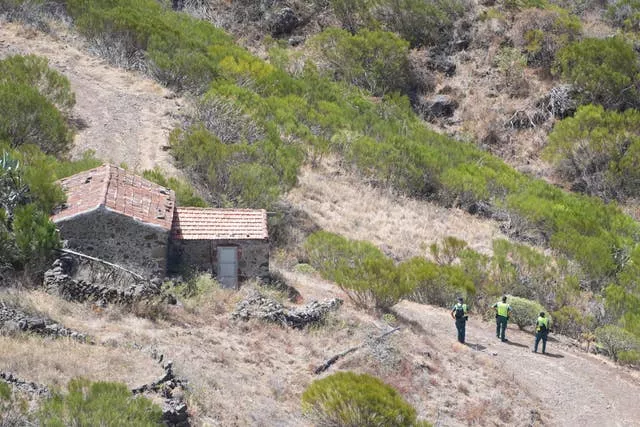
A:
616	340
524	312
349	399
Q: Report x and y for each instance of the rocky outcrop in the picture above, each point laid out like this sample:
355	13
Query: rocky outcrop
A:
261	307
14	319
58	281
170	387
282	21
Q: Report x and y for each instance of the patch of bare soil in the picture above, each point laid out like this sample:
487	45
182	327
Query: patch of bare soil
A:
574	388
124	117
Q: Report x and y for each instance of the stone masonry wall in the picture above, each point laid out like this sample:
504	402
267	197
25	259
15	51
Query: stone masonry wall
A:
118	239
200	255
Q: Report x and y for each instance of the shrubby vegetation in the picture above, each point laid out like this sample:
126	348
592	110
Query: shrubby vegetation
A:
384	140
525	312
349	399
604	70
598	151
98	403
185	193
374	60
542	32
618	342
35	102
625	14
422	23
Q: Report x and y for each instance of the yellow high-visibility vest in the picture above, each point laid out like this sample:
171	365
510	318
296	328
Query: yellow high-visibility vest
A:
503	309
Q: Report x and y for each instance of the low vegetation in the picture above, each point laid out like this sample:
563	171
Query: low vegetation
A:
349	399
98	403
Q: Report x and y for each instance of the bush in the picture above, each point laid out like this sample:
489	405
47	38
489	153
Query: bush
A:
185	193
34	71
617	341
422	23
27	117
571	322
98	403
349	399
625	14
374	60
525	312
598	151
542	32
434	284
369	278
604	70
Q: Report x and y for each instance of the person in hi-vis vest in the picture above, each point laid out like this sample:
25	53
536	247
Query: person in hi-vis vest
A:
542	330
460	314
502	316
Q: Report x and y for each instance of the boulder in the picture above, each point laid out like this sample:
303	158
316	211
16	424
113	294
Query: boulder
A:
283	21
441	106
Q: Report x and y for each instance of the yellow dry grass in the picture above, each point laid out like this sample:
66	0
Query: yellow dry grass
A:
56	361
404	227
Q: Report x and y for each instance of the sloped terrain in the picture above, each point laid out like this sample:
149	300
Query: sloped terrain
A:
125	118
254	373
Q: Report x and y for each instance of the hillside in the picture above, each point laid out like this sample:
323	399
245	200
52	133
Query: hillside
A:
253	373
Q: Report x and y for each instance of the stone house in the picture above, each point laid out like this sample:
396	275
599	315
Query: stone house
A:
125	219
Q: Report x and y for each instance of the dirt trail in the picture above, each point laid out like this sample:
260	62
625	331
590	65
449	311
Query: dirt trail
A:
575	388
127	116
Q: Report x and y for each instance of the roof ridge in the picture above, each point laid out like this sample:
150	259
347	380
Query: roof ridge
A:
105	187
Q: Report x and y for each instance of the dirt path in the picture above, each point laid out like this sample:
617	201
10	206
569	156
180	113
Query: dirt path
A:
128	116
575	388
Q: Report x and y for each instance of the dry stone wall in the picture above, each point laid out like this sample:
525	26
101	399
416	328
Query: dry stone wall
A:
59	281
118	239
15	320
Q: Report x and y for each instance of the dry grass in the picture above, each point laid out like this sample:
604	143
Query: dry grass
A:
400	226
55	362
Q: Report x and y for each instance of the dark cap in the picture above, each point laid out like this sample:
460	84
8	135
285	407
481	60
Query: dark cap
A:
542	314
460	299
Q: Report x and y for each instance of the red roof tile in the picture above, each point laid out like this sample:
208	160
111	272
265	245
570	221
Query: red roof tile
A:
116	189
209	224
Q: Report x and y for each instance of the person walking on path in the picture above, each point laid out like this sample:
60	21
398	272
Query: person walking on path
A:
502	316
459	313
542	330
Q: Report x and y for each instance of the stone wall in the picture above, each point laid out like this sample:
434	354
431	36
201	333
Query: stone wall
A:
118	239
200	255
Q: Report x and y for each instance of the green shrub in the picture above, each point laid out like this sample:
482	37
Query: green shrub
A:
34	71
185	193
524	312
422	23
604	70
598	151
629	357
374	60
27	117
616	340
625	14
362	271
435	284
542	32
572	322
98	403
349	399
448	251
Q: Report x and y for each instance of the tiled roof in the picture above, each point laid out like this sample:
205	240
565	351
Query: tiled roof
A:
116	189
210	224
